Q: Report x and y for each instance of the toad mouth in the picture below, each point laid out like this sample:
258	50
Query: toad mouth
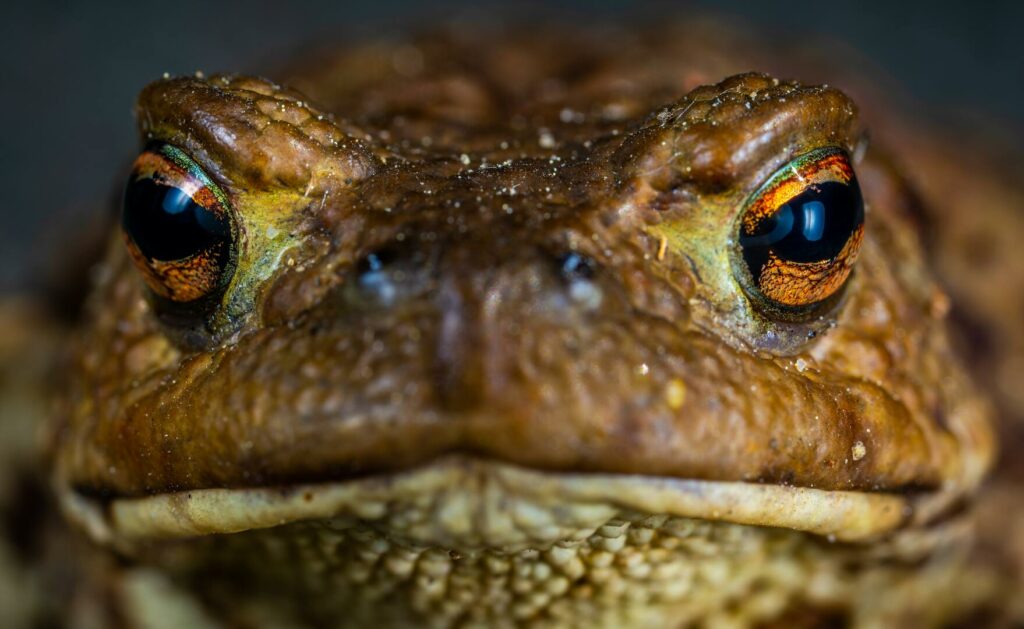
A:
459	501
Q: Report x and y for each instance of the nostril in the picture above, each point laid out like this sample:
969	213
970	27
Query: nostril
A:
575	266
578	271
374	280
371	264
377	261
382	277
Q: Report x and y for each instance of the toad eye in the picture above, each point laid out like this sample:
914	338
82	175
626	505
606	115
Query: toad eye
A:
177	225
800	234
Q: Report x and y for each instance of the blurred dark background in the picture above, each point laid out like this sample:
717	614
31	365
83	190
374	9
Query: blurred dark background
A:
70	72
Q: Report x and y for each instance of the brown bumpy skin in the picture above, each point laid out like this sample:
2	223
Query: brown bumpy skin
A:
473	165
487	353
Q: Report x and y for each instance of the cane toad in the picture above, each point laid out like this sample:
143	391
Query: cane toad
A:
518	330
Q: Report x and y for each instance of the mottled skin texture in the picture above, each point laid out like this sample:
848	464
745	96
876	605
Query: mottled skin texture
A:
476	163
483	350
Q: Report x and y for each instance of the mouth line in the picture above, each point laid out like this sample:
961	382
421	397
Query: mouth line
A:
467	502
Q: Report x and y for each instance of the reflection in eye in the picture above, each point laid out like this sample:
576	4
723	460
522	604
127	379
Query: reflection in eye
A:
814	220
801	232
177	225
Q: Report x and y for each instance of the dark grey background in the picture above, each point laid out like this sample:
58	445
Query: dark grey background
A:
70	72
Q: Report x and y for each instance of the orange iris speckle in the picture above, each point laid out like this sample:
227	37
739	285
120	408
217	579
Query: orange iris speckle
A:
801	232
176	225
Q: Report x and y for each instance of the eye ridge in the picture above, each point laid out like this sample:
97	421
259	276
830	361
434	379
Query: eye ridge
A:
801	232
178	226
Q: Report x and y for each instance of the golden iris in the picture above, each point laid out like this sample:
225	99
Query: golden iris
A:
800	233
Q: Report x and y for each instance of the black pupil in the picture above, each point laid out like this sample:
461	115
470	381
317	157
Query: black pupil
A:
166	224
813	226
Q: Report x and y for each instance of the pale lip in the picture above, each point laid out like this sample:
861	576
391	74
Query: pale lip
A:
464	502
